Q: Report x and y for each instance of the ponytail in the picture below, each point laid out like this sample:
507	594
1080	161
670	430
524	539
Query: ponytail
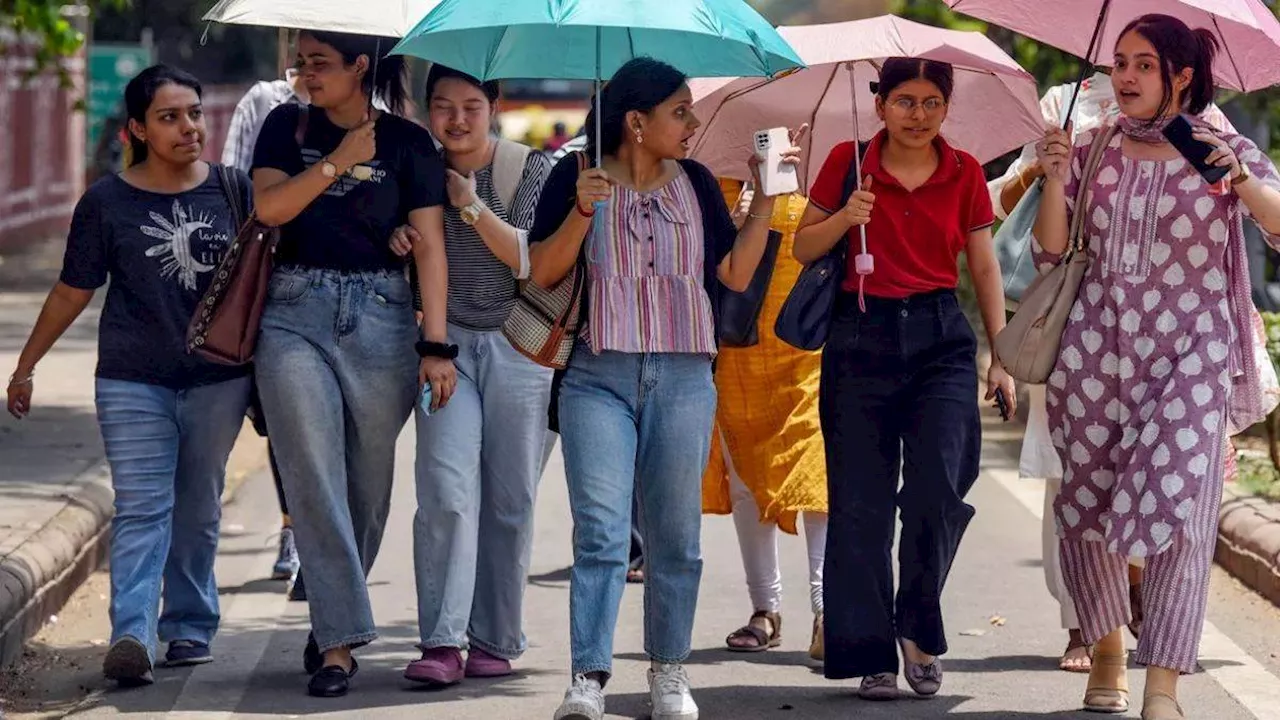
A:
1200	93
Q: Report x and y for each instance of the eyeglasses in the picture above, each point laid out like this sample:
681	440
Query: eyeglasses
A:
908	105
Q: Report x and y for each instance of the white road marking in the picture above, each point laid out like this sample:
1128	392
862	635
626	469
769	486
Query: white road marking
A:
249	620
1235	670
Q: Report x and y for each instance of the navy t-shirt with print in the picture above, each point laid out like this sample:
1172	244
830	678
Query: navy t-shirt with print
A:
349	226
159	253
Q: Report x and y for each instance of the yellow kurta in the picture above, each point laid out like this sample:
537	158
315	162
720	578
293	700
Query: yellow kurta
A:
768	407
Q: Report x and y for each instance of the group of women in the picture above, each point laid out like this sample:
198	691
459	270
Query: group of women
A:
1138	404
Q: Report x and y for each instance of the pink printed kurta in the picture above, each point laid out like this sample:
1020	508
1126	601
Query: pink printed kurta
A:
1140	399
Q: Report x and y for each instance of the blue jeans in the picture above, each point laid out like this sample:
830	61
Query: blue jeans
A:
479	461
635	423
338	375
168	454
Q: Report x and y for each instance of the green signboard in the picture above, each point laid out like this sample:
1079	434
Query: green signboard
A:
111	67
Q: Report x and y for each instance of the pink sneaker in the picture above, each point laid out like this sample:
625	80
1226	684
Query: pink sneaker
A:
440	667
481	664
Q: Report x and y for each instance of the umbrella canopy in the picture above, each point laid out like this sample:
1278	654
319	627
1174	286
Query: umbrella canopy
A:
383	18
591	39
1247	29
991	91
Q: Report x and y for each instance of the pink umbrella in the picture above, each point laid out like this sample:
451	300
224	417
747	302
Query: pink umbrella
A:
995	107
1247	29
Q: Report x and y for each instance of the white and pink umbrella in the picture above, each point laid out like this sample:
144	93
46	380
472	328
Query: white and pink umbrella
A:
994	109
1249	59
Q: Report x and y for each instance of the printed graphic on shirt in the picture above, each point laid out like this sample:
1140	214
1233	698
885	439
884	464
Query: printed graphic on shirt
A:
191	244
350	181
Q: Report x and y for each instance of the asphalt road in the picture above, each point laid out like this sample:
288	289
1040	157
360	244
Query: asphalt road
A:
994	670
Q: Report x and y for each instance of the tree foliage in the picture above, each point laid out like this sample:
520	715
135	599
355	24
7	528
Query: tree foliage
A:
51	26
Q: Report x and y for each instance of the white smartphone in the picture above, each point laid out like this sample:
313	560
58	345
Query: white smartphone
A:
776	177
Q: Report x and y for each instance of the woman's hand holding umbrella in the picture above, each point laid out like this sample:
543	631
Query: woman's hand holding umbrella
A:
595	187
1054	154
858	210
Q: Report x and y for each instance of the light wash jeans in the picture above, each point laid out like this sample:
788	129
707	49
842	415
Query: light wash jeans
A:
337	375
635	423
168	453
479	461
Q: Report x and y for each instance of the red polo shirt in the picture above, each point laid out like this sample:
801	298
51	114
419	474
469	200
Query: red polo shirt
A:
915	236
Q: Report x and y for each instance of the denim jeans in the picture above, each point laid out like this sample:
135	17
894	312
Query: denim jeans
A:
168	453
479	462
635	422
338	376
899	395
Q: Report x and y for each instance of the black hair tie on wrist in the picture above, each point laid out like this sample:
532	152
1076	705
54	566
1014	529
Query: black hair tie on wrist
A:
430	349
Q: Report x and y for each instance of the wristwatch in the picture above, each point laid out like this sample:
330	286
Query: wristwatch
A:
1243	176
328	168
471	213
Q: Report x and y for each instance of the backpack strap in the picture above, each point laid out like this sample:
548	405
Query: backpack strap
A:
300	133
509	159
851	176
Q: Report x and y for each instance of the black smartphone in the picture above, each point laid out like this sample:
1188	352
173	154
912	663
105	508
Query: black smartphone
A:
1002	404
1179	134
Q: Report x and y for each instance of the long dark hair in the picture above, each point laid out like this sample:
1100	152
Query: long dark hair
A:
388	82
899	71
492	90
141	92
642	85
1179	48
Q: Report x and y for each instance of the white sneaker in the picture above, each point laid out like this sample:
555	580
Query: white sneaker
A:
584	700
669	693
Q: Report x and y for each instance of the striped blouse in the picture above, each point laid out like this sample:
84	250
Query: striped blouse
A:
645	267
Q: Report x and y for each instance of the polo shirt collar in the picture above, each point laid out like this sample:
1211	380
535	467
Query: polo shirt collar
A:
948	162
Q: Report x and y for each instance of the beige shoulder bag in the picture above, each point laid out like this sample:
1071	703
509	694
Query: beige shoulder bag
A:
1028	346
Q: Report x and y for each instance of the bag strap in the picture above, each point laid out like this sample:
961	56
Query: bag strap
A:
851	175
300	132
230	184
1084	193
509	160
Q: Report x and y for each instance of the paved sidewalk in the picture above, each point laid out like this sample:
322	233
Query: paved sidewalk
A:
55	495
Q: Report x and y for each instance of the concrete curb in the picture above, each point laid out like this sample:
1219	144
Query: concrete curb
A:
42	573
1249	542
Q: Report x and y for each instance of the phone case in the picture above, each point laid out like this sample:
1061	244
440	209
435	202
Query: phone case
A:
776	178
1179	133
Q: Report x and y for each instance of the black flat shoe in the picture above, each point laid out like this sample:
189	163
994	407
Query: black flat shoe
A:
312	660
332	680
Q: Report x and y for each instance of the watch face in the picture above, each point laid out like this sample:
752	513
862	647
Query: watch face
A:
329	169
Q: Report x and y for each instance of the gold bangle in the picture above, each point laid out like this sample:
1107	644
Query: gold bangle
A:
15	382
759	217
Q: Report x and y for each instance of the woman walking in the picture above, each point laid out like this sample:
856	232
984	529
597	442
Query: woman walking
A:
1157	358
637	403
767	463
480	459
154	234
899	393
335	361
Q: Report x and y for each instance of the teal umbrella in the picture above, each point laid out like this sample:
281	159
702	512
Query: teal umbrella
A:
591	39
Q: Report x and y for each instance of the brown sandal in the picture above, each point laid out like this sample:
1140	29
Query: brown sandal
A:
1076	642
1161	706
1111	699
764	640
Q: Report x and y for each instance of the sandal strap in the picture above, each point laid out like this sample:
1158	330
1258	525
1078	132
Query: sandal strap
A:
761	637
775	619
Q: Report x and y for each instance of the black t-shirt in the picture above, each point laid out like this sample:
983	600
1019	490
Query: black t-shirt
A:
349	226
159	252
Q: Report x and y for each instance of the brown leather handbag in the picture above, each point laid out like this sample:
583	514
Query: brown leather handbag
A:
225	327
